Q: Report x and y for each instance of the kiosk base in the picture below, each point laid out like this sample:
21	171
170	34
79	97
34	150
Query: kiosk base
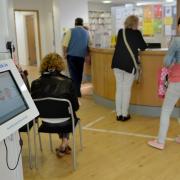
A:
13	147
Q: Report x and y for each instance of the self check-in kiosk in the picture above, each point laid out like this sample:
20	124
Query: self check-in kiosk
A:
16	109
16	105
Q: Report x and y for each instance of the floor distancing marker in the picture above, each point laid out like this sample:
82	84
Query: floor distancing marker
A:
123	133
89	125
94	122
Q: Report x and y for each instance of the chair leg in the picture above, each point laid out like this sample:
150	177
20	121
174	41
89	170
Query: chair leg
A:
74	151
50	141
29	146
35	143
40	142
39	136
80	134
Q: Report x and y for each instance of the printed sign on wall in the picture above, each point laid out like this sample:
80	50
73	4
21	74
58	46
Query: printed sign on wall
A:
148	28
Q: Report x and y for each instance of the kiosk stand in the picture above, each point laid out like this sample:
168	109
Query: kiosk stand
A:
13	147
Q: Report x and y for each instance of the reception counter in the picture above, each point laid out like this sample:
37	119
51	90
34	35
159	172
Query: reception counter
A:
144	95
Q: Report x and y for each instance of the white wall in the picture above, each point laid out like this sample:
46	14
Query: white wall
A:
4	28
99	7
45	8
57	26
21	38
65	12
7	32
70	9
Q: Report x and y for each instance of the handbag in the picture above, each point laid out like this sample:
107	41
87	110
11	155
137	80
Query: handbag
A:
138	67
162	81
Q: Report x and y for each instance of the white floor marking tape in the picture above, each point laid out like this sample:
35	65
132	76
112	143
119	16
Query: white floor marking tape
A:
124	133
94	122
88	128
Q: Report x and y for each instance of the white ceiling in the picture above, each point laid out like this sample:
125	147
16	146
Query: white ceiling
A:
116	1
126	1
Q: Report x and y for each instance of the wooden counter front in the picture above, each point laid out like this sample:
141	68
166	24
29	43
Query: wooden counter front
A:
144	93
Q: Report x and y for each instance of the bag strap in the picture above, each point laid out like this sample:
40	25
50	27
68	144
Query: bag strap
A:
129	49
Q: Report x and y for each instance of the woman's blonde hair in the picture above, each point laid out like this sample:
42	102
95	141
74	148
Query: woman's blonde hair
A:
131	22
52	61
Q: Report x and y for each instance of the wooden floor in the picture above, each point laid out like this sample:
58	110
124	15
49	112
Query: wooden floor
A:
112	150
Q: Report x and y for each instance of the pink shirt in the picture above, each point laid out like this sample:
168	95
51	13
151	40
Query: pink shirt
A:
174	75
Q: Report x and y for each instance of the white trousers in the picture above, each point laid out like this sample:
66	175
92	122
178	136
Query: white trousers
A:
124	83
171	98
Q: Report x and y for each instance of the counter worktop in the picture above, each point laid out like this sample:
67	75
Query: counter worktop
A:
161	51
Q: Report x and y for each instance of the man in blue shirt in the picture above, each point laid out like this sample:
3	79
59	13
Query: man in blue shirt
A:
75	47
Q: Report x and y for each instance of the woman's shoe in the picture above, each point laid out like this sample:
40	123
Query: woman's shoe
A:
119	118
125	118
156	144
59	152
68	149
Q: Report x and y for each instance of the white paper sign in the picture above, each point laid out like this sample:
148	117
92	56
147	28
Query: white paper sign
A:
168	30
168	11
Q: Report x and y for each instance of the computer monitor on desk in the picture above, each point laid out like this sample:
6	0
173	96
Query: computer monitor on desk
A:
154	45
16	105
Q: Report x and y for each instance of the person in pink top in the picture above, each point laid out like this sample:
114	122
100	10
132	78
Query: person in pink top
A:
172	61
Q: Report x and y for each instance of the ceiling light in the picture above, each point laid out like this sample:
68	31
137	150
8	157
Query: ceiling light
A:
106	2
147	3
169	0
128	5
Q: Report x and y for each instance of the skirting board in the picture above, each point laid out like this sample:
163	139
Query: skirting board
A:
136	109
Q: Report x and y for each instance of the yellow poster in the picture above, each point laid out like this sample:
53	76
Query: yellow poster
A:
148	28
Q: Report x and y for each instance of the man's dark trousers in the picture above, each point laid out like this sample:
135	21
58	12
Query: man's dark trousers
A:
76	65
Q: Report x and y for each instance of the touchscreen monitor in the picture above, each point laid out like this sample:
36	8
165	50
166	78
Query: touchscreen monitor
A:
12	101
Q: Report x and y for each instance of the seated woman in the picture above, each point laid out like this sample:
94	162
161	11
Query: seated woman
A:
52	83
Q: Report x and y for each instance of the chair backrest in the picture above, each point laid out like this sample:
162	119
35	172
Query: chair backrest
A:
54	107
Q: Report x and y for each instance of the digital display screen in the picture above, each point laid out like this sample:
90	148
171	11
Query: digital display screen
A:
12	102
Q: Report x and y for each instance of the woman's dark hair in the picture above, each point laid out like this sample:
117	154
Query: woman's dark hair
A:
78	22
179	21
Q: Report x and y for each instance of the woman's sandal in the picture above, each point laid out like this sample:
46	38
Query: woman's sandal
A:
68	149
61	151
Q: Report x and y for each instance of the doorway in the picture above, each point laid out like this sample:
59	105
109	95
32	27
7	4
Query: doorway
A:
28	38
